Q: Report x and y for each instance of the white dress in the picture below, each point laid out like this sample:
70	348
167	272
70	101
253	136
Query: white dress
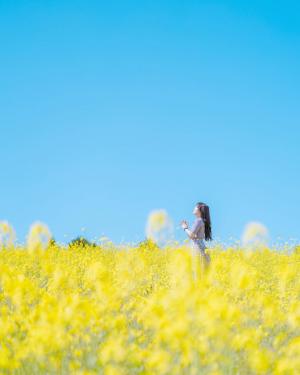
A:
197	244
198	229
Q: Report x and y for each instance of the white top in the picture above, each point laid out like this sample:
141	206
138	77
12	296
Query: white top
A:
198	229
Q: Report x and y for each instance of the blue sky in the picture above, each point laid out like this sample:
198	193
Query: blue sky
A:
111	109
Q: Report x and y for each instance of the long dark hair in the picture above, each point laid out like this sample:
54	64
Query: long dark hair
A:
204	209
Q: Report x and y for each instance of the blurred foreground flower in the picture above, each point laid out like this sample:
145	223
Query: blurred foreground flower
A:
39	236
255	234
159	227
139	310
7	234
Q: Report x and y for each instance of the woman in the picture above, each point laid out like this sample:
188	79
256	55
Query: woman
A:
200	231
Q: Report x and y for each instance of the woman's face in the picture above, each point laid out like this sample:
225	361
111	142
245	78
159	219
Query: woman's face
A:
196	211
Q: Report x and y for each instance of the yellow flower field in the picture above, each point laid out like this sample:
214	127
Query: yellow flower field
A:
143	310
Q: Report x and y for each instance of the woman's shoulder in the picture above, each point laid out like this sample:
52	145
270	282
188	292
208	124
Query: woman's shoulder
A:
199	221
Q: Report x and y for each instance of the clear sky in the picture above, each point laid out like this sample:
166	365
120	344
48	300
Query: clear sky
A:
111	109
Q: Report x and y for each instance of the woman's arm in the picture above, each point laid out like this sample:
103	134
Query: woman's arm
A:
189	232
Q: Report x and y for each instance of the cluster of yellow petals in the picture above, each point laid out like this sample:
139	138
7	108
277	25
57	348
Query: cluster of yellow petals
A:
7	234
139	310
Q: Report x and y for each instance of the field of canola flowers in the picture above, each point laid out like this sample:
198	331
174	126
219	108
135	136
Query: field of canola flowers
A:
139	310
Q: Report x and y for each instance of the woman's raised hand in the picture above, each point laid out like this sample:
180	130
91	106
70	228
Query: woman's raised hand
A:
184	224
